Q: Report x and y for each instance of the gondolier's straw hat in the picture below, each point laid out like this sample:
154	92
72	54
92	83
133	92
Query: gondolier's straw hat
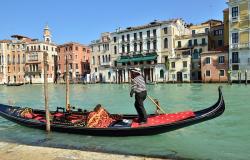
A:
136	70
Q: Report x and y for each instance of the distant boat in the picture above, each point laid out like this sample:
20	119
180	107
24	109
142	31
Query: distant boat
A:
126	126
14	84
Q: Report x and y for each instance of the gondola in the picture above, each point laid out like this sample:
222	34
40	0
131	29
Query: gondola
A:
14	84
123	127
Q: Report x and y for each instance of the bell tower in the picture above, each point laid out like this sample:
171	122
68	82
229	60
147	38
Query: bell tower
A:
46	34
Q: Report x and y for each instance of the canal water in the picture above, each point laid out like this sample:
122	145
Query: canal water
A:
226	137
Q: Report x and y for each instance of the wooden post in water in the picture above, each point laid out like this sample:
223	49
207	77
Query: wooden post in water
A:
67	85
246	77
45	62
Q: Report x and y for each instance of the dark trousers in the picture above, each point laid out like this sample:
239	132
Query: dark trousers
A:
139	98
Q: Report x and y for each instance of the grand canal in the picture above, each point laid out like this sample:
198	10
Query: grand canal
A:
226	137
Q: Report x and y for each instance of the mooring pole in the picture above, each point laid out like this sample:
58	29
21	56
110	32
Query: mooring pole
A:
67	85
45	62
246	77
239	77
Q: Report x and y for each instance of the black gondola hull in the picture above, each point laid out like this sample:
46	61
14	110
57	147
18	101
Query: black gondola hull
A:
200	116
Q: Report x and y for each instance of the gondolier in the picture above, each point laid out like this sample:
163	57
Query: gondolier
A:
139	88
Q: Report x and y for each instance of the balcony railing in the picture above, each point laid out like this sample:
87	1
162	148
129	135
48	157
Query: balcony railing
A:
235	60
240	46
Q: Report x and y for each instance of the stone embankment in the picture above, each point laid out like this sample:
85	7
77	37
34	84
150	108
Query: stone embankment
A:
12	151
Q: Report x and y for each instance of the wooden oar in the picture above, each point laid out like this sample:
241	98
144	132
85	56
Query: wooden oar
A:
158	107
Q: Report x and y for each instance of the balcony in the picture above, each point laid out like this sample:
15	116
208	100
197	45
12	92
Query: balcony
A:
240	46
235	61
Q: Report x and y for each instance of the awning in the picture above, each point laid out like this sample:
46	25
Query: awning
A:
137	58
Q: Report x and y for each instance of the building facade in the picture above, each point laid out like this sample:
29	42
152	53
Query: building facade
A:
214	66
78	57
239	38
148	47
102	59
34	66
13	57
22	59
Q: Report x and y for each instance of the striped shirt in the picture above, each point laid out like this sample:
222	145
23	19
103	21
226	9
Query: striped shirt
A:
138	84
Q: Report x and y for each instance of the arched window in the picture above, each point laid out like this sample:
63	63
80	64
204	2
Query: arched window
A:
161	73
23	58
109	58
106	58
93	60
109	75
18	59
115	49
166	43
103	58
8	58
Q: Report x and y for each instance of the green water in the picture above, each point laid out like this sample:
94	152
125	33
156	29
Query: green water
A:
226	137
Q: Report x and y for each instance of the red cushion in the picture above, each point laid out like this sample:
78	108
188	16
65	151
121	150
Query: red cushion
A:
164	119
58	114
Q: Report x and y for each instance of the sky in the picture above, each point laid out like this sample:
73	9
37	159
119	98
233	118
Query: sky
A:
84	20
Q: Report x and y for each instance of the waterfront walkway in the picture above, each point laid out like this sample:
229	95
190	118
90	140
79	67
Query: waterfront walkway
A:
12	151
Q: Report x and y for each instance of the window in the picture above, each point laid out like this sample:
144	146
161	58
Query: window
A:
221	59
103	58
195	54
140	33
23	58
222	72
195	42
235	37
93	60
184	64
193	32
185	76
128	37
109	58
221	32
148	45
161	73
172	64
154	32
148	34
206	30
179	44
76	66
141	47
106	58
200	50
207	60
18	59
235	12
235	67
220	43
114	39
154	45
208	73
135	47
190	43
165	30
203	41
115	49
123	38
135	36
128	48
235	57
166	43
123	49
